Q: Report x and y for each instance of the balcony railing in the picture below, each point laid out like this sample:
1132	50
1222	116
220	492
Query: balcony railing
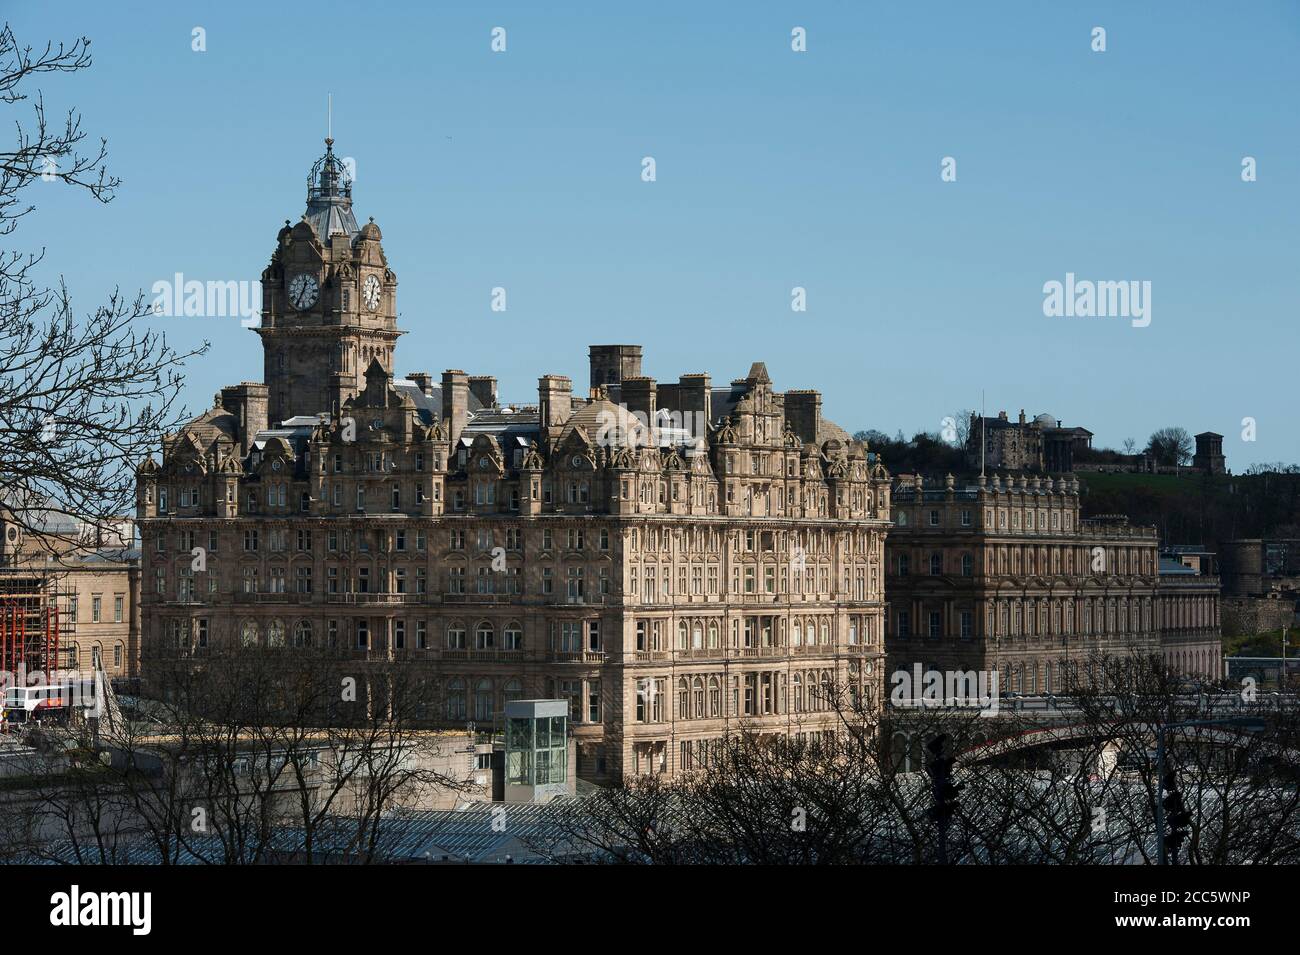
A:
579	656
377	600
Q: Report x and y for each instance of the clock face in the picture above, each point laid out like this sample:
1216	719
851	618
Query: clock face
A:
370	292
303	291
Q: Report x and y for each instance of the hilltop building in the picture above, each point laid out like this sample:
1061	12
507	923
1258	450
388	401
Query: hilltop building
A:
1042	445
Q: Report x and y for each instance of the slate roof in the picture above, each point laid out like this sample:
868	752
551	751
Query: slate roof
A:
469	834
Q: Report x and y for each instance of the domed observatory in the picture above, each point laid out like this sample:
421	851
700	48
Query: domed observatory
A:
537	750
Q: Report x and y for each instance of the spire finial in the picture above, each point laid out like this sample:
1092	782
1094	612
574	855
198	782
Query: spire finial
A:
329	122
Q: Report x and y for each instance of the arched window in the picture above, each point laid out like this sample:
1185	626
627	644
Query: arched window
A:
936	565
826	632
683	700
697	698
715	697
250	635
513	690
484	638
682	634
826	689
967	565
697	636
456	636
302	633
456	699
713	634
483	700
796	683
514	636
275	633
796	633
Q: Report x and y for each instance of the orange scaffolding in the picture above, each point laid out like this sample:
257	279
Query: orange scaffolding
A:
31	626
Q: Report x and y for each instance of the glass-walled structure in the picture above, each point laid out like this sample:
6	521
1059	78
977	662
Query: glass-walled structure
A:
537	748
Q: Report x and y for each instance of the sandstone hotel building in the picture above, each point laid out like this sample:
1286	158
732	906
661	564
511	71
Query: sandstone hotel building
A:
677	560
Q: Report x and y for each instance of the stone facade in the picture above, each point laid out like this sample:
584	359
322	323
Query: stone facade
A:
674	560
1004	575
1043	445
93	587
1191	611
1209	453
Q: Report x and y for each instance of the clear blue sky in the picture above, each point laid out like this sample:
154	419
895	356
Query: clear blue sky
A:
775	169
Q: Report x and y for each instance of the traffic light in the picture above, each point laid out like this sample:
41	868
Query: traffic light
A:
1177	818
945	790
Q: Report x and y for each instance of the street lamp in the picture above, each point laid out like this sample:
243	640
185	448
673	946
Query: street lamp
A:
1281	683
1243	722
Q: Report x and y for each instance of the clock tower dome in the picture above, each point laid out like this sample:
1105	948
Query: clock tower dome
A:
329	301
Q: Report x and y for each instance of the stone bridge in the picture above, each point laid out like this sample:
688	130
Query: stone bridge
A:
1022	724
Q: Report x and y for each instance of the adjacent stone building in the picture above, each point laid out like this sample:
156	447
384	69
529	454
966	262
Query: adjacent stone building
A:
69	585
1002	574
1261	585
674	559
1191	635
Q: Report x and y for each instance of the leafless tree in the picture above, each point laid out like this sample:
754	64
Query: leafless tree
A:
962	427
1171	446
1085	797
82	399
253	755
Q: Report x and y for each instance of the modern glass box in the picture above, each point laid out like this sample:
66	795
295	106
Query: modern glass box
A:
537	747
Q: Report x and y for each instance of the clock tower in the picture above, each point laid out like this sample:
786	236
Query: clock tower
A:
329	301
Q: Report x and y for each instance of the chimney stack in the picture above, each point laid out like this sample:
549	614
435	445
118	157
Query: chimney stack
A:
695	402
639	395
484	388
803	414
423	380
612	364
554	403
247	401
455	402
